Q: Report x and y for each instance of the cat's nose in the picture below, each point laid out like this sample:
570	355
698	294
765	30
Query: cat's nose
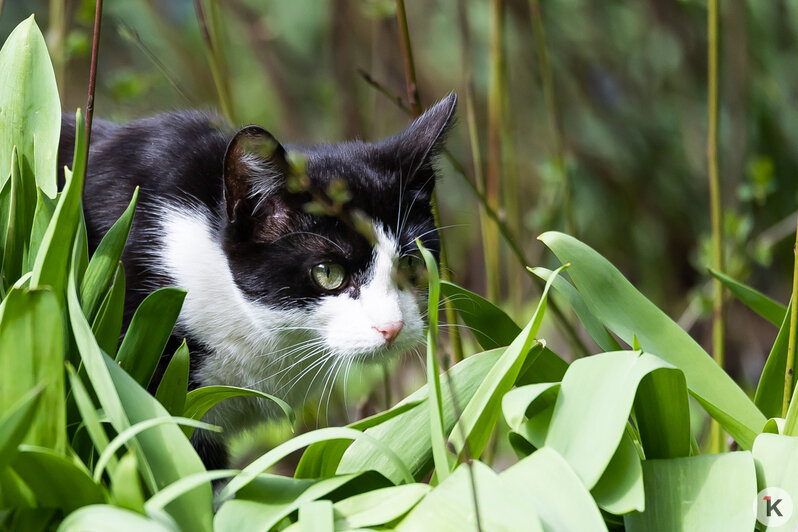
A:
389	330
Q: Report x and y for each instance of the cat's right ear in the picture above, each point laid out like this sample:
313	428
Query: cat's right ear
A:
255	168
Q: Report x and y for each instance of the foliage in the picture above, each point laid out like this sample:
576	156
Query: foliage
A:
602	443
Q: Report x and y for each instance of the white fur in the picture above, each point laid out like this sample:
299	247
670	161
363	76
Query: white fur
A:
281	352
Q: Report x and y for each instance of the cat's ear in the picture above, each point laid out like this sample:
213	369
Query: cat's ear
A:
255	167
419	144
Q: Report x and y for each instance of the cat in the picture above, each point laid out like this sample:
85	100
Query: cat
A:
298	260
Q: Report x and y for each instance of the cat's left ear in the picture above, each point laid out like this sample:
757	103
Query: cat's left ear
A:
255	168
422	141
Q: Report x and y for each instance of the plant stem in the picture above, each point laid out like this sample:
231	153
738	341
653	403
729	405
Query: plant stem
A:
551	107
491	276
219	80
95	49
494	163
415	108
789	371
717	443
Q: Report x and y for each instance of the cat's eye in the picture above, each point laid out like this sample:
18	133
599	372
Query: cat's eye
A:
328	275
409	268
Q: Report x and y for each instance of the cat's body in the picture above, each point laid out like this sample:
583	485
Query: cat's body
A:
279	299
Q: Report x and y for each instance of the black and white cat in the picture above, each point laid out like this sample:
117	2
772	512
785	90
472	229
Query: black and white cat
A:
280	295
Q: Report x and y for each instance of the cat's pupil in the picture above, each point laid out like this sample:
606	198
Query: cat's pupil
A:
328	275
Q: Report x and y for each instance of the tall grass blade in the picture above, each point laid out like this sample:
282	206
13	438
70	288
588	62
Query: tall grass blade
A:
771	310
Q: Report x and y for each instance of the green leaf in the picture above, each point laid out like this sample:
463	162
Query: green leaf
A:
527	402
30	106
592	325
662	411
316	516
620	488
200	400
770	390
103	264
303	440
450	506
545	367
475	425
554	491
408	434
776	461
148	333
107	326
51	265
320	460
378	507
126	489
173	387
20	218
595	400
771	310
98	517
15	423
88	415
440	455
284	496
32	352
45	208
56	481
712	492
626	312
491	326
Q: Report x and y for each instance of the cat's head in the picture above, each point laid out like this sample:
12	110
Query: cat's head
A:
327	233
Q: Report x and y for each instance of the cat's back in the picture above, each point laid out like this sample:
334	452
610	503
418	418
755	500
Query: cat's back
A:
173	157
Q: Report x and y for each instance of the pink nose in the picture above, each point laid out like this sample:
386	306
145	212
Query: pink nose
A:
389	330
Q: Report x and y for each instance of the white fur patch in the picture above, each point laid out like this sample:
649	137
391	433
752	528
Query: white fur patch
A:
281	352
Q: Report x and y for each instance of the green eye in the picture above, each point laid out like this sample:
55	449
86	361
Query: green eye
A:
328	275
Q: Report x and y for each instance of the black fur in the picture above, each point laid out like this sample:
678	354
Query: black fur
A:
190	158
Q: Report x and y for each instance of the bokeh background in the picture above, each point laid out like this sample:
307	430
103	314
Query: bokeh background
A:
629	80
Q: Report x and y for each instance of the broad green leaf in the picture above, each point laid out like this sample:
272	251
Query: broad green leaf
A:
592	325
620	488
103	264
303	440
173	387
14	493
29	106
126	489
711	492
98	517
193	510
200	400
627	313
545	367
32	352
15	424
45	208
20	218
440	454
475	425
595	401
88	415
154	507
316	516
408	434
662	411
776	461
107	326
148	333
320	460
378	507
125	402
56	481
771	310
770	390
450	506
491	326
527	401
51	265
554	491
268	499
127	435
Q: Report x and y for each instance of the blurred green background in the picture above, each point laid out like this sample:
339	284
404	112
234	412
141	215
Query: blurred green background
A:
629	79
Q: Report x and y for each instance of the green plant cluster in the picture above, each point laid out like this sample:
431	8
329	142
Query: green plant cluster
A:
604	443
